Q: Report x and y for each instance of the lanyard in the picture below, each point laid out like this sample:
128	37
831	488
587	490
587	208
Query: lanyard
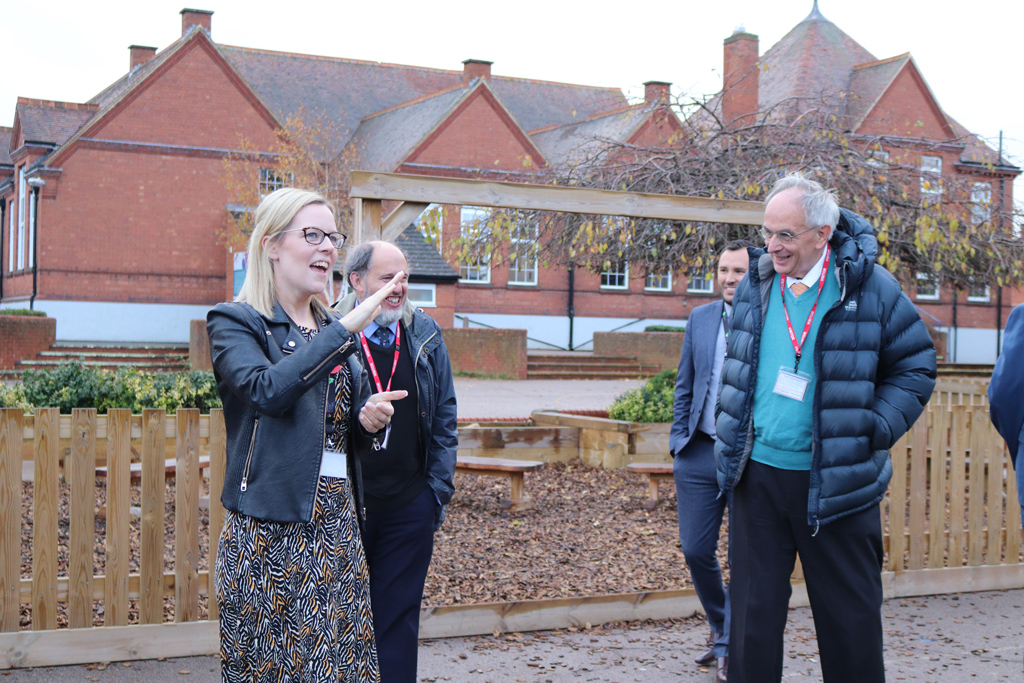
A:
373	366
726	327
810	317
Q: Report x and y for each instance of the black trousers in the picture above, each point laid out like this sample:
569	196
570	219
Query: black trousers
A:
842	567
399	546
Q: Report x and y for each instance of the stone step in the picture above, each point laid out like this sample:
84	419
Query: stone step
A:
154	365
588	374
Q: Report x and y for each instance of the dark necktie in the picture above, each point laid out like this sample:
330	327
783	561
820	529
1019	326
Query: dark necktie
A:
383	336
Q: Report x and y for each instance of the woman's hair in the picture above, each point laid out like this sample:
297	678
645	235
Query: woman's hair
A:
273	215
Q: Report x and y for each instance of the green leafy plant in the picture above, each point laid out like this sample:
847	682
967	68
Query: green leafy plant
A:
74	385
664	328
650	403
22	311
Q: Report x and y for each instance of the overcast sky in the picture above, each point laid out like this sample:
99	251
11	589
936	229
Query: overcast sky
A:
970	54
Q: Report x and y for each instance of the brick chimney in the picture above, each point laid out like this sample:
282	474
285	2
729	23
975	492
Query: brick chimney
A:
739	97
656	92
193	17
140	55
476	68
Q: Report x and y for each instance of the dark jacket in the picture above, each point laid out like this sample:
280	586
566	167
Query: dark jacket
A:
1006	391
274	387
693	379
874	365
439	435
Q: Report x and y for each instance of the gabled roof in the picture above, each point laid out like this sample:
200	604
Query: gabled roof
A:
49	123
383	140
868	83
425	263
5	146
347	90
812	62
575	142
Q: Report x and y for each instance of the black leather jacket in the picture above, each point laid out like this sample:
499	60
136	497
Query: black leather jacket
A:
274	387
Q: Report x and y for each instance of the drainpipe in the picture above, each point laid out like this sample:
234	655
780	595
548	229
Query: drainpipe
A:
572	289
3	221
956	330
36	184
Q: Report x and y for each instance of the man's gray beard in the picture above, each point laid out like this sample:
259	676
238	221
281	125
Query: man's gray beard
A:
389	315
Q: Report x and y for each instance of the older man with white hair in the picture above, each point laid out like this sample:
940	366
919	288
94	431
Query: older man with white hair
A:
828	364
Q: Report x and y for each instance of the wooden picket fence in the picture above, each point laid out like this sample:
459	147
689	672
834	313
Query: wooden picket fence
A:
951	517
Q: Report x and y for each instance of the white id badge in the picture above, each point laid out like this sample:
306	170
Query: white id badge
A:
333	464
792	384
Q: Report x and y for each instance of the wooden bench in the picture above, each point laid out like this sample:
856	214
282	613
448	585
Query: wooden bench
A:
501	467
655	472
170	470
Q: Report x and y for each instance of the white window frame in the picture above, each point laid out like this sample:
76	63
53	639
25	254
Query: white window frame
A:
21	217
615	276
925	278
701	281
479	271
10	237
518	274
271	184
931	179
423	288
421	225
980	298
981	202
665	279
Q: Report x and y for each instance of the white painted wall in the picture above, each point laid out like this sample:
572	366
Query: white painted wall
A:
971	345
555	329
119	322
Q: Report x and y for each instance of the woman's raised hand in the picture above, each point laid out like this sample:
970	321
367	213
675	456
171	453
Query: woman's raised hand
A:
361	316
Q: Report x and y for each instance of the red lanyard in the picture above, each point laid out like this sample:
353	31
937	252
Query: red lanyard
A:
810	318
373	367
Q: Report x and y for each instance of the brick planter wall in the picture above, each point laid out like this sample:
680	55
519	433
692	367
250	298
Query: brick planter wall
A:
22	337
487	352
650	348
199	346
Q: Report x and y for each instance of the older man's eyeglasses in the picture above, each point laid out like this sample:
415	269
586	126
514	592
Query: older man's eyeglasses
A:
784	236
316	236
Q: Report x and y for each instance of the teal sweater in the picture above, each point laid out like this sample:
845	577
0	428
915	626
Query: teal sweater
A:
783	426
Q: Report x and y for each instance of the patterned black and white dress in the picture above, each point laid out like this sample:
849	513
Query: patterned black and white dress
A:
294	598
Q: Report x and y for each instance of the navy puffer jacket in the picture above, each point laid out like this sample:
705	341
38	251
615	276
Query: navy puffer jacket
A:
874	364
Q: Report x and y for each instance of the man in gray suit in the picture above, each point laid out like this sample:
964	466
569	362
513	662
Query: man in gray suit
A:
692	441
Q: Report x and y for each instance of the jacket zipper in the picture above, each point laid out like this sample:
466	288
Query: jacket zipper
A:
248	457
324	362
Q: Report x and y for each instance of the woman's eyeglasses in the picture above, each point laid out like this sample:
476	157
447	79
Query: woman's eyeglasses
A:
316	236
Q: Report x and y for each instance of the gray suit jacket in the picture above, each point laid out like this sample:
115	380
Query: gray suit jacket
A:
694	379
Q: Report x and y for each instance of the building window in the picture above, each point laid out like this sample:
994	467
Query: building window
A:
10	237
878	161
615	275
474	226
272	179
931	179
423	295
978	293
22	205
431	224
659	281
927	287
701	281
522	267
981	202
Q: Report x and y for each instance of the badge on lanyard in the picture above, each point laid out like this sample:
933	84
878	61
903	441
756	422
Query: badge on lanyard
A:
792	383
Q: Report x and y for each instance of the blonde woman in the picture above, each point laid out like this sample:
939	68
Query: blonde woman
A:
292	582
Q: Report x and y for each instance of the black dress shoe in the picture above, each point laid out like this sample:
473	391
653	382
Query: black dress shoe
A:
708	657
722	674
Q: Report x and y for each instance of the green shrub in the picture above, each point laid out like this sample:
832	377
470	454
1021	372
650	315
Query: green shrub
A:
22	311
74	385
664	328
13	397
650	403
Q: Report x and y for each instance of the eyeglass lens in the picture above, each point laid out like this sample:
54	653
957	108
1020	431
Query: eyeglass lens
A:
316	236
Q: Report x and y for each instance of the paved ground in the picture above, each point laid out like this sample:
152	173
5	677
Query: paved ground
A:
976	637
483	398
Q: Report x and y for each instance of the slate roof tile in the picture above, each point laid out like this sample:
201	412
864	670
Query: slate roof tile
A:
5	146
51	122
425	263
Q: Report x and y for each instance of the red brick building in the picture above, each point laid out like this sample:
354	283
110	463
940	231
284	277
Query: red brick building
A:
112	212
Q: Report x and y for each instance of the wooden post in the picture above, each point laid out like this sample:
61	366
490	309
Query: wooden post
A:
81	470
119	492
898	504
11	437
1013	520
44	519
976	490
218	462
937	504
154	484
372	220
958	438
997	468
186	517
918	485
